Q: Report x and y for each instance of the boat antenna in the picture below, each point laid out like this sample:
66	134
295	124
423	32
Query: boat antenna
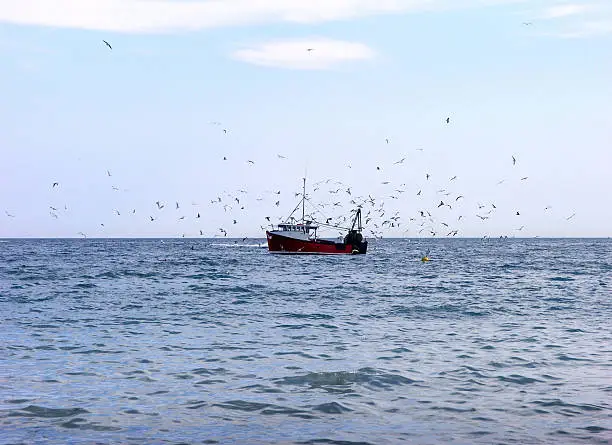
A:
303	199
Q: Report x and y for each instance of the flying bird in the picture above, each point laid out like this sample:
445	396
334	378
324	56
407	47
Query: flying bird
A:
107	44
570	217
448	120
55	184
400	161
513	160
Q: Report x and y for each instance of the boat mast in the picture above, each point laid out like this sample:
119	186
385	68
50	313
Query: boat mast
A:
303	199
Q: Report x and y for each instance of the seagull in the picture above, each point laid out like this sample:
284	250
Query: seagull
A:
310	49
177	206
400	161
107	44
387	141
441	204
159	206
201	233
235	222
522	179
53	208
518	214
82	234
281	157
251	162
152	219
108	173
513	160
55	184
527	23
453	178
225	130
198	215
458	197
427	175
570	217
448	120
419	193
8	214
117	211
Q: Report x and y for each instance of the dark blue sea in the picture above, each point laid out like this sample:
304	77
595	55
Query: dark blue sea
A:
495	341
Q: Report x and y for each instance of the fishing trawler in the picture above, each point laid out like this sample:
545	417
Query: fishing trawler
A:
294	237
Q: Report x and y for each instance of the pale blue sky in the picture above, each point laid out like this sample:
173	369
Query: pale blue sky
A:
71	109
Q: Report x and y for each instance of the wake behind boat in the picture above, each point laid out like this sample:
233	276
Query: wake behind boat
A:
301	238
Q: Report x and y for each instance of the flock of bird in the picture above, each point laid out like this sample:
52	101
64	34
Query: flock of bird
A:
331	203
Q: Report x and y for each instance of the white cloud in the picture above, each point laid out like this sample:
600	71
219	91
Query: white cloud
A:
295	54
566	10
580	20
169	15
155	16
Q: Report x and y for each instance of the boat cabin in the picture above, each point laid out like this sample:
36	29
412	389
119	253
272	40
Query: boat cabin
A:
300	228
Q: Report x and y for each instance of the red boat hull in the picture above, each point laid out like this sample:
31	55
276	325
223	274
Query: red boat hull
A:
287	245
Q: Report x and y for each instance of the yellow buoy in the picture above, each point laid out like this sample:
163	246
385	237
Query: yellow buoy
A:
425	259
